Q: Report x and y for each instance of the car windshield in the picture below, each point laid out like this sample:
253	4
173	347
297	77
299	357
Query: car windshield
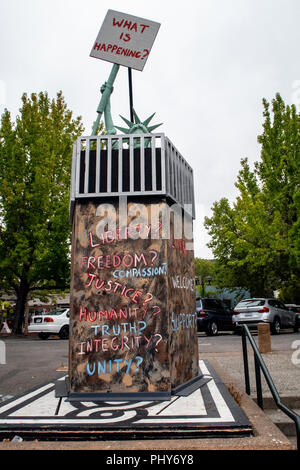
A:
250	303
56	312
293	308
212	303
209	303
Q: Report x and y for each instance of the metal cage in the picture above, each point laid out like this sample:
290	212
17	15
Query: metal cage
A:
130	165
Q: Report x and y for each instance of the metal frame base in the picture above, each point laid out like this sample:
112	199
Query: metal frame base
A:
62	390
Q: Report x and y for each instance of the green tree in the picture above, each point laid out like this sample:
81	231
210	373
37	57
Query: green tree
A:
35	168
205	271
256	239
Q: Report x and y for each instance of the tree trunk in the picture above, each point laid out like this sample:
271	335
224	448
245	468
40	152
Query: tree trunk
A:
22	294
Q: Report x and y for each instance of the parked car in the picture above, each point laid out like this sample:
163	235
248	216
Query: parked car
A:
55	322
295	308
213	315
272	311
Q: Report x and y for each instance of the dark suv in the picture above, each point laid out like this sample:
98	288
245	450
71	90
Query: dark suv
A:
213	315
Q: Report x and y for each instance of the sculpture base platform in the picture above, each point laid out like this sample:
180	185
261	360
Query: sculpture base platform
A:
208	411
62	390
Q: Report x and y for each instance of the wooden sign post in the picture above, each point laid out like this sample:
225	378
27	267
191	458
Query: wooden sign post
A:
125	40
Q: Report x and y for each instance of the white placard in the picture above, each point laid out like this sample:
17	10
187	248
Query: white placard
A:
125	40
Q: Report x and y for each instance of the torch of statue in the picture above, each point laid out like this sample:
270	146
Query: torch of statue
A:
104	105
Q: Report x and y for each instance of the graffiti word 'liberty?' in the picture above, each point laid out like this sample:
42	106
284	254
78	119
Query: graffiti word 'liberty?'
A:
142	231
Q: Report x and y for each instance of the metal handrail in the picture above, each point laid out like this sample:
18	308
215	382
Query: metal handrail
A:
260	365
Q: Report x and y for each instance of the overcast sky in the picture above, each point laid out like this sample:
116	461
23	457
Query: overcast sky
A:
210	66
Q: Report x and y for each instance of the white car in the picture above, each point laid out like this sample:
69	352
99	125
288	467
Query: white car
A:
257	310
55	322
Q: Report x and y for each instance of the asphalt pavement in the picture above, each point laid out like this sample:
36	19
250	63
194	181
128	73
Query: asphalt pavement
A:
31	362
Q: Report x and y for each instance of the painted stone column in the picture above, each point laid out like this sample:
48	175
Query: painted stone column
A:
133	321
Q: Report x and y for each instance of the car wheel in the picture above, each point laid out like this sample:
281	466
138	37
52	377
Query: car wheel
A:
43	335
276	326
212	329
64	332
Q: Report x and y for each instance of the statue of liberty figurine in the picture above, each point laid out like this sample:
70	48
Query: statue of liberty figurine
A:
135	127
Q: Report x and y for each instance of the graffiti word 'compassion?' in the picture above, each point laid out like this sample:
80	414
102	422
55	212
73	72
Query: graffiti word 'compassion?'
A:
145	272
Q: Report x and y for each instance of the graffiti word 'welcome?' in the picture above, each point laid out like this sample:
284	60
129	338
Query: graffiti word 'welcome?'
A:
181	282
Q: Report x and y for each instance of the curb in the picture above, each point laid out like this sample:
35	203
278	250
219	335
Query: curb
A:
291	401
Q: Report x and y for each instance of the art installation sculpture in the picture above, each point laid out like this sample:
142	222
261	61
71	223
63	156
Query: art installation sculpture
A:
133	314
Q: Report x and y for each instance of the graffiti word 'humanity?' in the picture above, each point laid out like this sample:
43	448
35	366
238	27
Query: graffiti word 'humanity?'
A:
123	313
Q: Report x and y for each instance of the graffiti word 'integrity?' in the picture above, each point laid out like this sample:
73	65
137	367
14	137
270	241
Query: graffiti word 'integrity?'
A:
116	343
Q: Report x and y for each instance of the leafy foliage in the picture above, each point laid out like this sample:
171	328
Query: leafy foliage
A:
204	268
205	271
256	240
35	168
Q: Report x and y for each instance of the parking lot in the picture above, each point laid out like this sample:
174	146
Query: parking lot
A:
229	342
30	362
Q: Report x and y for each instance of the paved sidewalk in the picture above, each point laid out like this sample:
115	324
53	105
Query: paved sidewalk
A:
285	373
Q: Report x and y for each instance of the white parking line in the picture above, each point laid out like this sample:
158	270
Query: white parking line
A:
24	398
